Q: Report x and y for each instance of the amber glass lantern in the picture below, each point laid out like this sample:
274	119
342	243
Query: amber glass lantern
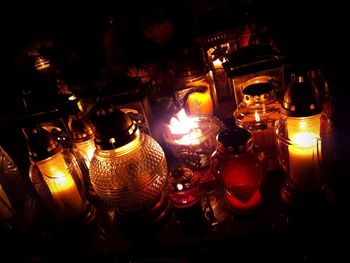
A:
257	113
56	175
82	132
194	87
128	170
304	142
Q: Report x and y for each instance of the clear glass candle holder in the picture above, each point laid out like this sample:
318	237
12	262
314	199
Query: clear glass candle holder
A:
194	147
305	151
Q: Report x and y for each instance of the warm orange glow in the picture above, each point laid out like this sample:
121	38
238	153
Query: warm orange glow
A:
183	125
130	146
41	63
305	149
61	184
86	149
5	205
199	102
257	117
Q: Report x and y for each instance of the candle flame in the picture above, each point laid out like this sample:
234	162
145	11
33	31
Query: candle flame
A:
179	187
257	117
305	139
181	124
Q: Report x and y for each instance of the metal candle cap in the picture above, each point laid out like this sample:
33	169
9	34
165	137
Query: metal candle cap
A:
113	128
80	127
301	99
42	145
258	93
235	140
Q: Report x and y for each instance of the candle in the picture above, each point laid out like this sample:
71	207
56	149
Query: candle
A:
183	188
5	205
192	139
199	102
86	149
61	185
304	152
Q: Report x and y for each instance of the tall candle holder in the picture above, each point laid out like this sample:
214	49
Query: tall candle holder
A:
56	175
304	142
257	113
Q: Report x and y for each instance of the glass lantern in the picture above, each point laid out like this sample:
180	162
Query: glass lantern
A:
56	175
252	65
194	87
216	46
304	142
192	139
82	132
239	168
129	169
257	113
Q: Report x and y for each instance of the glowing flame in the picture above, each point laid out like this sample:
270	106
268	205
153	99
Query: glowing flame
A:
305	139
257	117
179	187
181	124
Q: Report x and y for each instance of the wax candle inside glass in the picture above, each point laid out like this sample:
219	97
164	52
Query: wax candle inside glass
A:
61	184
304	152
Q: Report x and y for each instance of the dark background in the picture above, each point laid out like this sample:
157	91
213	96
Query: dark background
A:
312	32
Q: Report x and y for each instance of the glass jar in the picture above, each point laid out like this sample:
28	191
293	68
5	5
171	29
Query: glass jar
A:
183	187
257	113
239	168
194	87
56	175
82	132
191	139
304	143
129	169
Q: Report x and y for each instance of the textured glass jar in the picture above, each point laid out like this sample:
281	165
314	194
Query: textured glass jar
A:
239	168
129	169
257	113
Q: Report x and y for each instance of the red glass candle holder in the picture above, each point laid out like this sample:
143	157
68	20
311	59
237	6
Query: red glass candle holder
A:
183	188
239	168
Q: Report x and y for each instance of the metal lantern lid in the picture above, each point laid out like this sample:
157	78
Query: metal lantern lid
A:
235	140
259	93
190	63
113	129
41	144
80	127
301	99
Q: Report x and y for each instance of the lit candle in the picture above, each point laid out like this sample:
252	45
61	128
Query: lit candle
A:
86	149
5	205
200	103
61	184
192	139
41	63
304	152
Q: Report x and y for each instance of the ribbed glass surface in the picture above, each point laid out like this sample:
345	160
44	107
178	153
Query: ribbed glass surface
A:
131	181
